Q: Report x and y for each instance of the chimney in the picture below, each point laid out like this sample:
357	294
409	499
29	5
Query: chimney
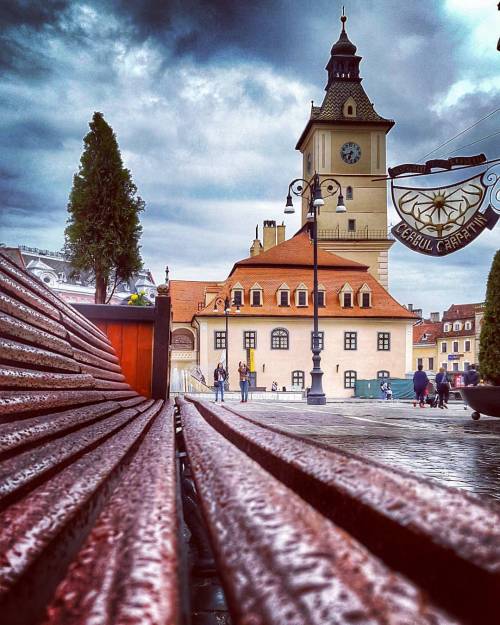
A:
269	234
418	312
280	233
256	247
410	307
435	317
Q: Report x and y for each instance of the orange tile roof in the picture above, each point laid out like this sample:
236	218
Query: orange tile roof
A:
460	311
187	295
431	329
298	252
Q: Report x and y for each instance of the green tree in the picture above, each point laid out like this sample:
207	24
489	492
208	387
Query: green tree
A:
489	346
103	228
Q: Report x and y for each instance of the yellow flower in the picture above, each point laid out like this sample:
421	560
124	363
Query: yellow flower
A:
129	302
134	297
143	292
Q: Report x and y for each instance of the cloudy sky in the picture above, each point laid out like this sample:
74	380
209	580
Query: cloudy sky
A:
207	99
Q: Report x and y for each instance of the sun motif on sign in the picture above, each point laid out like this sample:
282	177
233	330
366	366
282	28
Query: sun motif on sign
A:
439	211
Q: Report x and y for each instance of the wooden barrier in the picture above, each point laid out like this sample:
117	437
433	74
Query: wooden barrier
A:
141	338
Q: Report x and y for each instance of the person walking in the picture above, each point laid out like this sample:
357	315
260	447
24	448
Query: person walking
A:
388	391
471	378
220	377
420	382
443	388
244	372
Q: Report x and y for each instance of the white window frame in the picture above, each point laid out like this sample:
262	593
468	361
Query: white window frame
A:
457	326
468	325
301	289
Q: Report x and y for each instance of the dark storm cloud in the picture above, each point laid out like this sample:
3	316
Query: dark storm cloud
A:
34	14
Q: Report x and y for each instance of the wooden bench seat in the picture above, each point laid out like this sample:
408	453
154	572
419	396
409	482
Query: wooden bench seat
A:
88	512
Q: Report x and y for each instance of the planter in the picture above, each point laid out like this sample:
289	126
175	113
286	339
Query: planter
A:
483	400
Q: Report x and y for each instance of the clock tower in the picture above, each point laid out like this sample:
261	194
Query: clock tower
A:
345	139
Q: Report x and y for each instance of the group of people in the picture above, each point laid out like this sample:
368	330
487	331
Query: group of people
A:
421	382
220	377
386	390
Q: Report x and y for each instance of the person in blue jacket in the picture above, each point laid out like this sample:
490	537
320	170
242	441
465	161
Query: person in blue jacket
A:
443	388
420	382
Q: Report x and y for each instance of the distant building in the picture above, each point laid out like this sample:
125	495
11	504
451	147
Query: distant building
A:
364	332
53	269
451	342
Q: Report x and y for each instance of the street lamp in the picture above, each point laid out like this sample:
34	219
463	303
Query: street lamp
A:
313	192
226	302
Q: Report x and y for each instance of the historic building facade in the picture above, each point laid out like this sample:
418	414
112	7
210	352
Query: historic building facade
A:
452	342
365	332
345	138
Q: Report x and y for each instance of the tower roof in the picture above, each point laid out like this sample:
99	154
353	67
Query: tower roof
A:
344	83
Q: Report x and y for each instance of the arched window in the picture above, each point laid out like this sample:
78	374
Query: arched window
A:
383	374
349	110
279	338
350	379
182	339
298	378
348	193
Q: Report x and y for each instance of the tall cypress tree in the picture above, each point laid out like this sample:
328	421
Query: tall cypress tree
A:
489	346
103	228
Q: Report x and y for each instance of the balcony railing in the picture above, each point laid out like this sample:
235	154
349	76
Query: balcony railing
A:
362	234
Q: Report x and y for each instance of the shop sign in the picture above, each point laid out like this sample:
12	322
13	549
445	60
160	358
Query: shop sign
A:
440	220
455	356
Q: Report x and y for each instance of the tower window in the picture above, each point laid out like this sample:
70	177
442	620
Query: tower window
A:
347	300
348	193
351	225
349	110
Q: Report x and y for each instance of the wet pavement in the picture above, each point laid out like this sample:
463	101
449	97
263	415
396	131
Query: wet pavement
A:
445	445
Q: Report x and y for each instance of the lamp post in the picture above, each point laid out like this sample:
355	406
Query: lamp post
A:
312	191
226	302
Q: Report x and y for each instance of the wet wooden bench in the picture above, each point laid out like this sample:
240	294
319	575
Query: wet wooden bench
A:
307	534
88	513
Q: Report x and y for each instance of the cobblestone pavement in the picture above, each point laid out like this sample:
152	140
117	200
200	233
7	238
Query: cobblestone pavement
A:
445	445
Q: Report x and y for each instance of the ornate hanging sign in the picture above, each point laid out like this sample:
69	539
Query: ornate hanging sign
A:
441	220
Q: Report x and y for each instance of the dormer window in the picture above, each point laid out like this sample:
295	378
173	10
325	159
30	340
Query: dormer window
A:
468	325
457	326
283	295
237	294
256	295
365	296
346	296
321	296
349	108
301	295
447	327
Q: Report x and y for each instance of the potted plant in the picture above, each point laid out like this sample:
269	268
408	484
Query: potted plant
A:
485	399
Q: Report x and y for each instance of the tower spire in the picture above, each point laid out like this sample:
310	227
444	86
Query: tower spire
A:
343	64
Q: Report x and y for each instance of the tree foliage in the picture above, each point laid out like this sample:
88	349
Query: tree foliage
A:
489	347
103	228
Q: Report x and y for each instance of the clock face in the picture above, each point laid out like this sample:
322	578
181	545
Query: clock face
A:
350	153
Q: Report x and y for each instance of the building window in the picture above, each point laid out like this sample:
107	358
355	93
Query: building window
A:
455	366
384	341
468	325
420	362
350	379
444	348
365	300
466	366
302	298
349	110
350	340
220	339
455	346
347	300
467	346
298	378
348	195
249	339
321	299
351	225
284	298
445	366
457	326
238	297
383	374
256	298
279	338
321	339
431	364
446	327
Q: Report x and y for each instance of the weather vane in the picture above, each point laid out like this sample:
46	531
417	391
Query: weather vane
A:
440	220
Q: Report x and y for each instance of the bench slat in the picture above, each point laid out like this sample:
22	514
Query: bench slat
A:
12	351
111	385
49	525
280	560
95	361
102	374
30	431
82	344
27	297
94	339
13	377
137	532
14	403
26	313
16	329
